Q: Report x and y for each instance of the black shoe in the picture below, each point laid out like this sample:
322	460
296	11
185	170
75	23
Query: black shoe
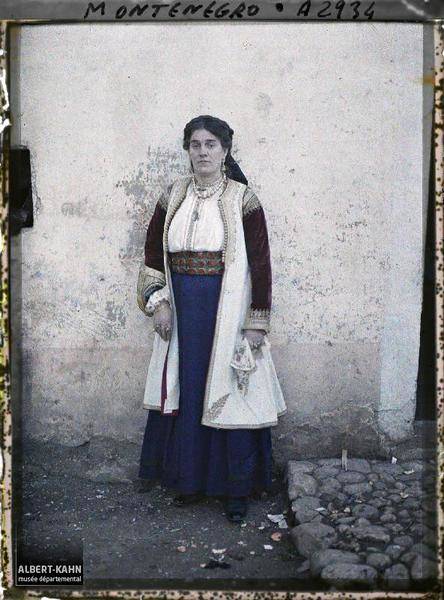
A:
185	499
236	509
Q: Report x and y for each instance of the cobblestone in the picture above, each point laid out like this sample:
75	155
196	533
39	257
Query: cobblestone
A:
387	518
379	523
301	484
403	540
350	477
394	551
365	510
305	502
305	514
372	533
378	560
311	537
330	486
342	574
326	471
359	464
387	479
358	489
322	558
346	519
377	502
299	466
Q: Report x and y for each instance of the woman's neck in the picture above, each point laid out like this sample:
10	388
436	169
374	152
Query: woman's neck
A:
207	179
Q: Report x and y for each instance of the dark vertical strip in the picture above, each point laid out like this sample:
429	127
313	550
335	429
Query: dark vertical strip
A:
426	385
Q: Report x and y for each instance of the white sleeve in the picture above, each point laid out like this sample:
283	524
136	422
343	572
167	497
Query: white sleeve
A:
156	298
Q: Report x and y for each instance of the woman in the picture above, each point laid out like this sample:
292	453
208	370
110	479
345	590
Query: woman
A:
211	390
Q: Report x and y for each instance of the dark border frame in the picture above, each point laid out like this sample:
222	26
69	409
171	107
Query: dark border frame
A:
23	11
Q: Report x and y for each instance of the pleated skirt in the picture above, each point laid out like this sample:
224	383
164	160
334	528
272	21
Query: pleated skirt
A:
178	451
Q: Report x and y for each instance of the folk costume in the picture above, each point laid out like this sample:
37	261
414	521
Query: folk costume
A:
211	400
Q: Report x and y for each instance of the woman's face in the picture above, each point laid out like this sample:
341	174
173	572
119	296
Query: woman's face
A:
206	153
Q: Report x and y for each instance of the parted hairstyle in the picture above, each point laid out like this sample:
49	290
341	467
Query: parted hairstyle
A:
224	133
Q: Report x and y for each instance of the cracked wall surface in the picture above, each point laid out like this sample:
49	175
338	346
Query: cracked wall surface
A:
328	127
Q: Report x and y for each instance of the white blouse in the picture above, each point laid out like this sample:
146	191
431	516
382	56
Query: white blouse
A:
197	225
206	232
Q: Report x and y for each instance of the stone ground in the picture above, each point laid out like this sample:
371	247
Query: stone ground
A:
371	526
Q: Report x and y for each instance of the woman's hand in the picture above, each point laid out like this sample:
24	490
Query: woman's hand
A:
162	320
255	338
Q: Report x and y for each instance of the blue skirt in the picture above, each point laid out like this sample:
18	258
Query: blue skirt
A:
177	450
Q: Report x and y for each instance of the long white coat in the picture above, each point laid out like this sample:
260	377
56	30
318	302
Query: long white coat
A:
226	405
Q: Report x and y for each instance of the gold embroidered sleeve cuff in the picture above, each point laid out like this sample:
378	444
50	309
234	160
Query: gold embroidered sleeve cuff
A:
149	281
258	318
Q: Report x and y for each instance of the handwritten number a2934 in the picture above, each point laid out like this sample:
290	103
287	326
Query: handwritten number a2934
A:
305	8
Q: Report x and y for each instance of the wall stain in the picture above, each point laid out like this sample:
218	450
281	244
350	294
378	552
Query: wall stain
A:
115	313
142	187
264	104
74	209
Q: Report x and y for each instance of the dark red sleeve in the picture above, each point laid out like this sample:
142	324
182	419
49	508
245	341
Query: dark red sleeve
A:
258	253
154	240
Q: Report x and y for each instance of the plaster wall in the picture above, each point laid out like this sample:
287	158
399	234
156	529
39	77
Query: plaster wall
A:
328	128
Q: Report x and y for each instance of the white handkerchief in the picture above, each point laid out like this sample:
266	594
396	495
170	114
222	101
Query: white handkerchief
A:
243	363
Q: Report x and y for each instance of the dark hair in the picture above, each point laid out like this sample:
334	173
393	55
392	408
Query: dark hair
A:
224	133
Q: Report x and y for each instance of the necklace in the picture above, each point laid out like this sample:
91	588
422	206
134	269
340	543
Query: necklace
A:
205	192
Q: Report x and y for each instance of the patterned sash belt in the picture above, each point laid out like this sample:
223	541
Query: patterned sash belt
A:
196	263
